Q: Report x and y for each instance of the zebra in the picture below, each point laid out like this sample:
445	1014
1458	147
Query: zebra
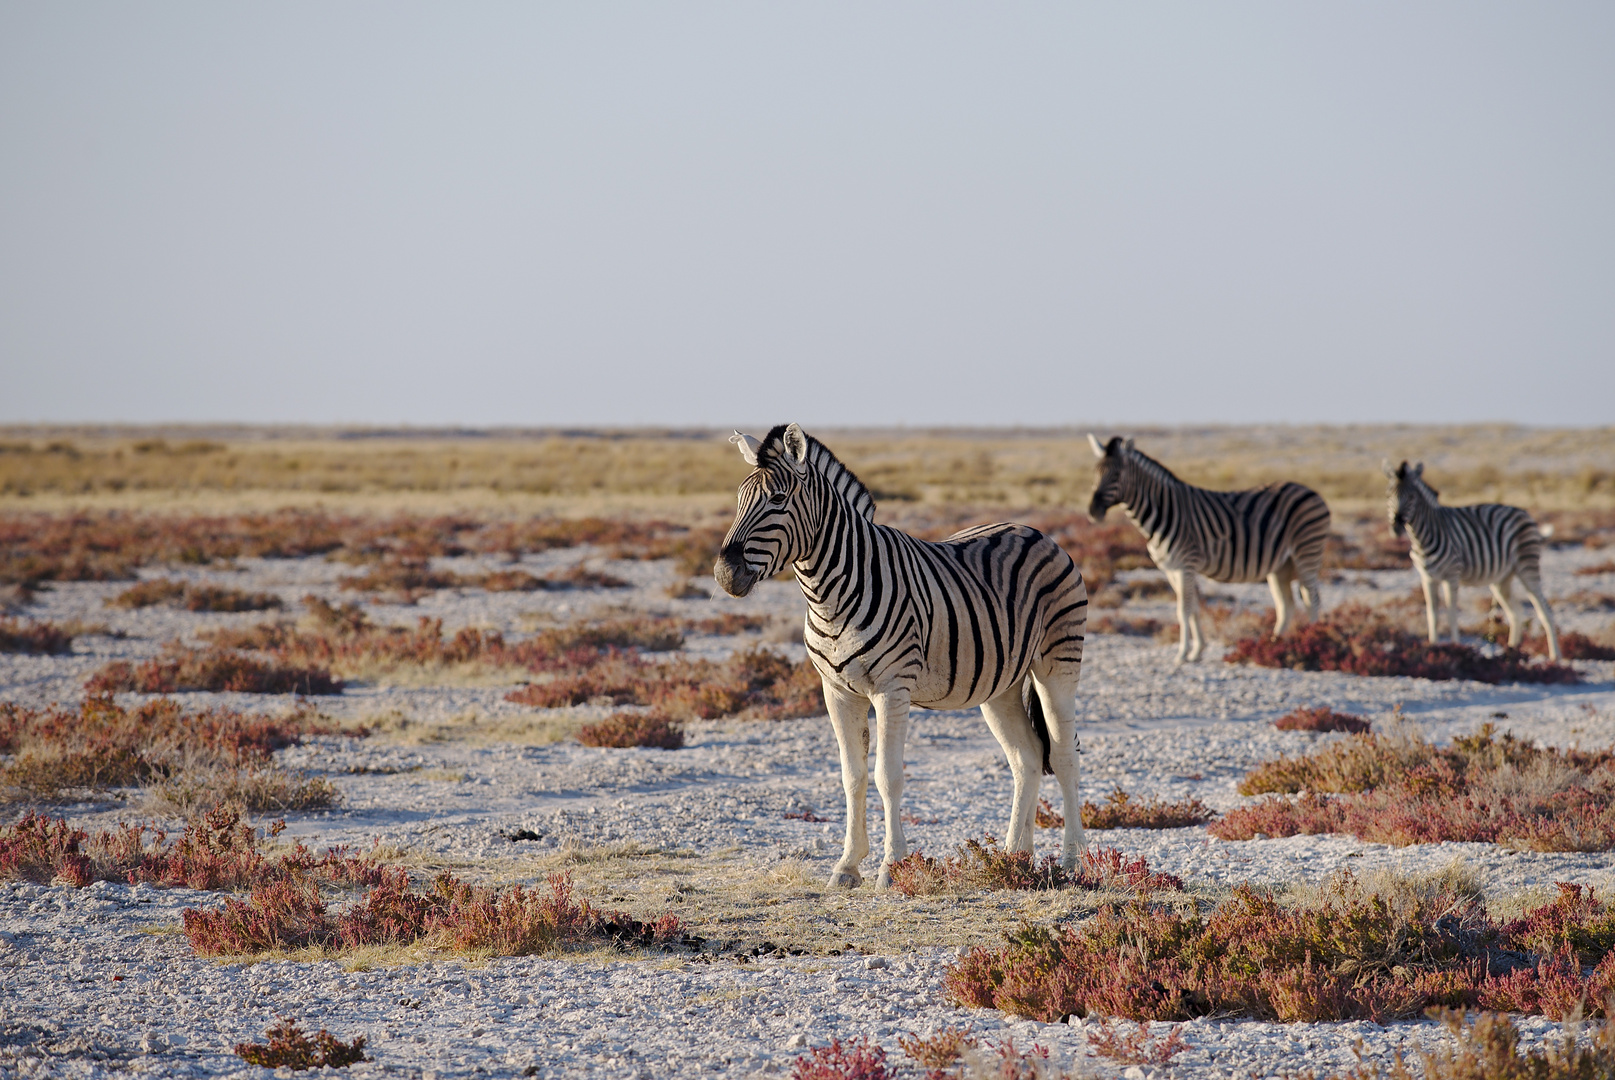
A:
1276	532
992	616
1486	544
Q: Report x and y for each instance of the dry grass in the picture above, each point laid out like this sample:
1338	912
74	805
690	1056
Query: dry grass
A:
1489	1049
27	636
1568	469
1395	788
181	670
623	730
984	865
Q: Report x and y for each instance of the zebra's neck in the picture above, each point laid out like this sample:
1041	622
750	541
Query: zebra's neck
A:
1147	488
828	574
1423	521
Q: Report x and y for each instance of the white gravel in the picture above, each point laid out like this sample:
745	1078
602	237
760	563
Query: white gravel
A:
98	982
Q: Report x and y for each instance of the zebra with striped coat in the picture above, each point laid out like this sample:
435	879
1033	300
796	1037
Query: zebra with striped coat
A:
1274	532
992	616
1486	544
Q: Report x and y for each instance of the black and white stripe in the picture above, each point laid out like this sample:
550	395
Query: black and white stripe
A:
1275	532
1485	544
993	616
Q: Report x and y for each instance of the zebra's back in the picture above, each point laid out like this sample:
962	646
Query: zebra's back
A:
960	620
1481	544
1246	535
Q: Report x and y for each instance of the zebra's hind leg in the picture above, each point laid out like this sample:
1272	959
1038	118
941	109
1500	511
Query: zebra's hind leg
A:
1006	718
1278	582
1533	588
849	717
891	732
1057	692
1183	583
1501	590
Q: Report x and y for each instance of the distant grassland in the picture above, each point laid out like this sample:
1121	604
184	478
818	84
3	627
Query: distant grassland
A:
667	472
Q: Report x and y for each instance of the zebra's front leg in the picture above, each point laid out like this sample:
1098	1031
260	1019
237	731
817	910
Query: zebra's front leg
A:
849	717
1533	589
1430	606
1278	583
1183	583
891	732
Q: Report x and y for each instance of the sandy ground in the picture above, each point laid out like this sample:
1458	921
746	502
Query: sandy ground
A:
99	981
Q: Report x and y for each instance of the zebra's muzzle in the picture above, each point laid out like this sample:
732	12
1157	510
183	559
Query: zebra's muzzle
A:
732	573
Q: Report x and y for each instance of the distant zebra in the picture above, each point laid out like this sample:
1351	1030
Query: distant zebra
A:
1274	532
992	616
1485	544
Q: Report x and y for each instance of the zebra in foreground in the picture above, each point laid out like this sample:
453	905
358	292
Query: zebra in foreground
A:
1274	532
992	616
1486	544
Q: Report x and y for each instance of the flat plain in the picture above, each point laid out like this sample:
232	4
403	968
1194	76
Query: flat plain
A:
439	576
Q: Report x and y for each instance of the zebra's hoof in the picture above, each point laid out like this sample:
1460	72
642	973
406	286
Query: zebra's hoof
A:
845	879
883	880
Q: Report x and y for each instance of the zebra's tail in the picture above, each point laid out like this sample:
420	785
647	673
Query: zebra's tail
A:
1040	723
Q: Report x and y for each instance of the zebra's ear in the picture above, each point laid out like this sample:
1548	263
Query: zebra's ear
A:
1098	450
1129	446
796	447
1402	471
1418	471
747	446
1385	467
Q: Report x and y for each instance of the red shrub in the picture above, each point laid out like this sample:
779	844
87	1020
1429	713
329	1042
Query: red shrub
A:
214	669
20	636
289	1047
623	730
1351	954
1360	641
858	1059
283	914
1577	646
192	597
1320	719
1401	790
756	684
1120	811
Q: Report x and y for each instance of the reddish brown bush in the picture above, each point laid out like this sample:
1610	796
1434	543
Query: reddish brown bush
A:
1577	646
510	581
180	670
1398	789
20	636
858	1059
1120	811
1136	1047
402	580
515	921
342	638
192	597
1128	625
289	1047
59	752
984	864
1321	718
622	730
1358	640
1350	953
217	851
755	684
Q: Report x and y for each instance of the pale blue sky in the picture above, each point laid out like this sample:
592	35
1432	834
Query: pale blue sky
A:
841	213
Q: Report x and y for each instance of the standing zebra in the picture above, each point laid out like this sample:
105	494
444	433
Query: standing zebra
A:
1485	544
1276	532
992	616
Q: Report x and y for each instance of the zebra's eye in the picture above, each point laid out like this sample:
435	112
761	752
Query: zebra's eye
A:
778	498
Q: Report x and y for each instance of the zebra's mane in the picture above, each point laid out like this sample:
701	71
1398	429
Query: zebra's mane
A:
1422	486
822	461
1148	465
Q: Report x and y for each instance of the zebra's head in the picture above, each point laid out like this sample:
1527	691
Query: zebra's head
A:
1407	491
767	535
1107	487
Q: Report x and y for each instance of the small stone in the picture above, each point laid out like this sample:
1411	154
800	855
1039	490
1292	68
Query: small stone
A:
796	1042
1133	1072
874	963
